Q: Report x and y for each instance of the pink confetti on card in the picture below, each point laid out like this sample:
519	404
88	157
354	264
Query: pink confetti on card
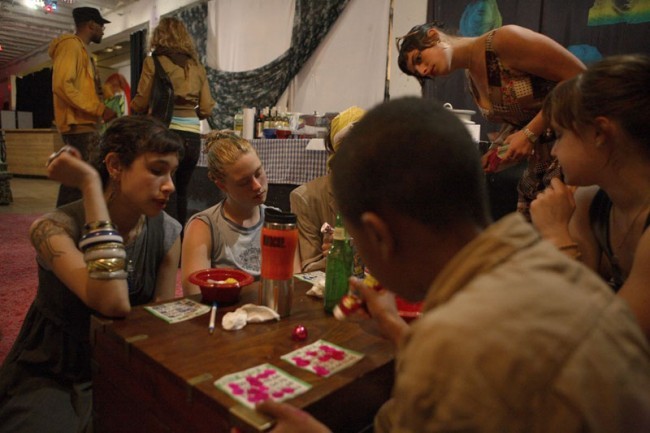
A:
322	358
260	383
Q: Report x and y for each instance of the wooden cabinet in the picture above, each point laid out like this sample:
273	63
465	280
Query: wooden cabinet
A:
28	150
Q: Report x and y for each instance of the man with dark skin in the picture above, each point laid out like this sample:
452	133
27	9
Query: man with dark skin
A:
79	110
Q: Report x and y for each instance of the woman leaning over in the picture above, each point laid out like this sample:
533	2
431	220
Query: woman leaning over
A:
173	46
510	70
601	120
100	255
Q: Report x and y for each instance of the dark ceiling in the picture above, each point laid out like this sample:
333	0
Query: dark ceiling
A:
25	32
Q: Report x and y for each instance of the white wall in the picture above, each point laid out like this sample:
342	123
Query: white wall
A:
406	14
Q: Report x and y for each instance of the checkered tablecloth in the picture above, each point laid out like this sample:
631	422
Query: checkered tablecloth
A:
287	161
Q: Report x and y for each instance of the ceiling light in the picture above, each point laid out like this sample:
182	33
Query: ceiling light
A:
109	50
117	47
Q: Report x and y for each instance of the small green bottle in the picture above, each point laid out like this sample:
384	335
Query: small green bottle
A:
338	268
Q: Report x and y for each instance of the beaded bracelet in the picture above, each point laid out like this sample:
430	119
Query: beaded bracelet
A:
101	224
530	135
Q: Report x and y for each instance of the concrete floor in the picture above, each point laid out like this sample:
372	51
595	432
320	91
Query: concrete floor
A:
31	196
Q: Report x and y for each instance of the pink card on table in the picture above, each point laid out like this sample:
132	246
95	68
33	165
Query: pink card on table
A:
322	358
260	383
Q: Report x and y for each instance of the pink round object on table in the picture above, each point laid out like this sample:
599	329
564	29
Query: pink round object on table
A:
299	333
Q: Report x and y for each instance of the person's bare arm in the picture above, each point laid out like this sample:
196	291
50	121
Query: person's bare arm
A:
52	239
527	51
167	270
197	247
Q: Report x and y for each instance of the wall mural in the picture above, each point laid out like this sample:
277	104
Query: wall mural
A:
262	86
607	12
479	17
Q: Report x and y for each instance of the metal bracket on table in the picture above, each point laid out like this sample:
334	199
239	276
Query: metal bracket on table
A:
249	420
129	341
195	381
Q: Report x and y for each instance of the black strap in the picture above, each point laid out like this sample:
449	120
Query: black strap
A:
599	212
158	69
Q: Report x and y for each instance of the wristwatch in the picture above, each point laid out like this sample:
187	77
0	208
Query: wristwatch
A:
530	135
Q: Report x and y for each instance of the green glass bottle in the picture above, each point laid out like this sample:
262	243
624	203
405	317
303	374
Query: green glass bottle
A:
338	268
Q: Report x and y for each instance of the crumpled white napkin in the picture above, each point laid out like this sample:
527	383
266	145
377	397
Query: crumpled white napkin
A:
318	288
249	313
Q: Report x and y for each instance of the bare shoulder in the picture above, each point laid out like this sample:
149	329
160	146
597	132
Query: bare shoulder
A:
584	195
45	235
583	198
197	232
51	224
515	40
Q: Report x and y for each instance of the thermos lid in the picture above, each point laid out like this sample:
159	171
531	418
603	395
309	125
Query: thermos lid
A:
279	217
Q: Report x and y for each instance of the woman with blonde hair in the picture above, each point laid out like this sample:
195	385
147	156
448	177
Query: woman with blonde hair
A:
228	233
173	46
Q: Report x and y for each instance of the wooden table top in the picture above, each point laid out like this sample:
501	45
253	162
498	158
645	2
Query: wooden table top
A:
191	355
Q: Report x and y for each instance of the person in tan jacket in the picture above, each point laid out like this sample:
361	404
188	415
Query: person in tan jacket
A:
78	107
174	47
313	202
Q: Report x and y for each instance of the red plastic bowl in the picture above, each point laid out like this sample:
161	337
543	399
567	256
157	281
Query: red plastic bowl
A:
408	310
212	291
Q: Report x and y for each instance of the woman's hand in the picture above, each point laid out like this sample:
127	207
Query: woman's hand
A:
290	419
519	147
327	243
551	212
67	166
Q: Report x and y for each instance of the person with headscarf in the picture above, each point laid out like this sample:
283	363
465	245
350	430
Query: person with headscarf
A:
314	203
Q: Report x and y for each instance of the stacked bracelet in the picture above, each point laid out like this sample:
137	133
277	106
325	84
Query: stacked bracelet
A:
95	225
103	249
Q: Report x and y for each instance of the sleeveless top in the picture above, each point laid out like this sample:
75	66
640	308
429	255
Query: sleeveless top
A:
515	97
53	342
599	213
233	245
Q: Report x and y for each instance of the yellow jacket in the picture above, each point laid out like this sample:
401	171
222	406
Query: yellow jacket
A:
73	84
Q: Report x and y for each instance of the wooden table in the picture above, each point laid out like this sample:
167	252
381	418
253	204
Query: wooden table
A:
150	376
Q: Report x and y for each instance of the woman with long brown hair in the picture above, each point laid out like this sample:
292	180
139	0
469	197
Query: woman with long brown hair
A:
173	46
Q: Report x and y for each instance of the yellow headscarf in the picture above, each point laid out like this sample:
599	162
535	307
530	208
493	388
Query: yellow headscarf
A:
340	126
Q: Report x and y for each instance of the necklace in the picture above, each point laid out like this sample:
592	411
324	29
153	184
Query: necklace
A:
135	231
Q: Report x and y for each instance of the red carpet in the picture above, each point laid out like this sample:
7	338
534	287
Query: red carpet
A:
18	286
19	279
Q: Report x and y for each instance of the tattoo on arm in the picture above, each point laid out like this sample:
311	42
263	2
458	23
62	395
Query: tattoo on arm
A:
40	237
